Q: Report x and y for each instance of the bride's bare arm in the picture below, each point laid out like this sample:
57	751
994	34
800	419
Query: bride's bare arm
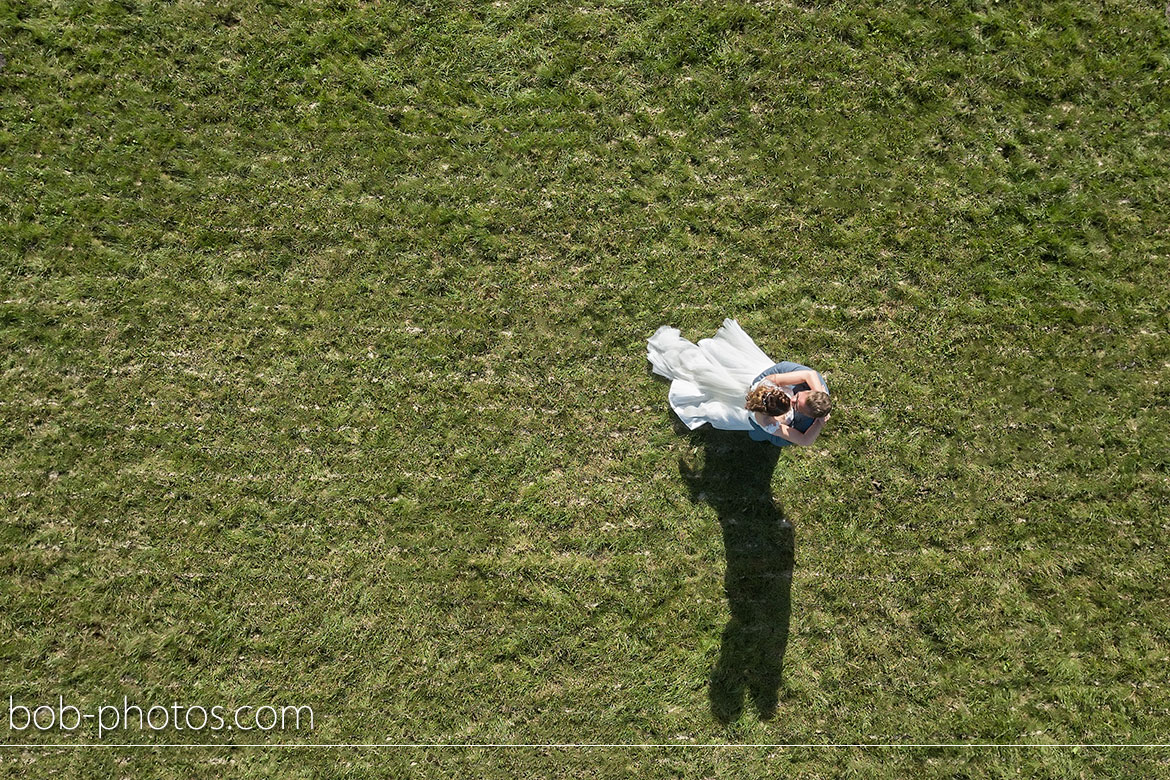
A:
766	421
790	433
796	377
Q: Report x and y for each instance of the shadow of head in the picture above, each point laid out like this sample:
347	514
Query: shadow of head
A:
733	474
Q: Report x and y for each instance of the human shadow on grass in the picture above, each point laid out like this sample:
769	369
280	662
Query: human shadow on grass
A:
735	478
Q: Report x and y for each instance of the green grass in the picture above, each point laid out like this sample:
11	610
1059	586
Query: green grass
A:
324	382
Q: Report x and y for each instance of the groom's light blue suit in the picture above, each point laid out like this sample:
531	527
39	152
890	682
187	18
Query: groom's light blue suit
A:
799	421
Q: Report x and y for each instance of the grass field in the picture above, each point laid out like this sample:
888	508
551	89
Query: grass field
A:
324	383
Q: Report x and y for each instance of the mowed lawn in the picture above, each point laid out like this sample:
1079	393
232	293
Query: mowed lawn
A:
324	382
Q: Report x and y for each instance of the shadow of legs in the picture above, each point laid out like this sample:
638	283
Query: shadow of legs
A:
735	479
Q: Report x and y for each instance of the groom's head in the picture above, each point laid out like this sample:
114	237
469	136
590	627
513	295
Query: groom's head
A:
813	403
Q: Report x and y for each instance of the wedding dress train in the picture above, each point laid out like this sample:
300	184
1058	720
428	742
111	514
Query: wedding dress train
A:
709	380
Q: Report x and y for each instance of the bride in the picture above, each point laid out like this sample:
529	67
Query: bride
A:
729	382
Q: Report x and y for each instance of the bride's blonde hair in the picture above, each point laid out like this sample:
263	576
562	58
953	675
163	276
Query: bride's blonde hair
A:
769	399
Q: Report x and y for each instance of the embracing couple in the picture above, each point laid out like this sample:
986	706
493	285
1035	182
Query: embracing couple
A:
729	382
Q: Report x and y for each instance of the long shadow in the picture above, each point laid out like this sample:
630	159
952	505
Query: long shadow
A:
735	478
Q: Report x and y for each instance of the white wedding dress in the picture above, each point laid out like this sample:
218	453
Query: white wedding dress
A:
709	380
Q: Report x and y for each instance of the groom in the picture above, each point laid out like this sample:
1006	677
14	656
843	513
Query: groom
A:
799	421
